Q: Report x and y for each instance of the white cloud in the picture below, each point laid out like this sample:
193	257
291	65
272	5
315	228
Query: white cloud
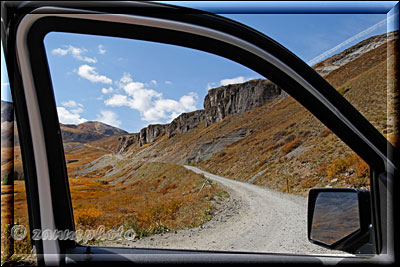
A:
71	104
107	91
108	117
117	101
150	103
168	82
165	110
59	51
239	79
126	78
73	116
88	72
76	53
189	101
154	82
102	51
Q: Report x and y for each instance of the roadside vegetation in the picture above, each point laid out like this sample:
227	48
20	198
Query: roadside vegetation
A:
157	197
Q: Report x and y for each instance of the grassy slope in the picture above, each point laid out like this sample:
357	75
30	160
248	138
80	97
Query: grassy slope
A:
288	149
326	160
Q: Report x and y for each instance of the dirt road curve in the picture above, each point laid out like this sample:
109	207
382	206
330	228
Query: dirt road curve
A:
254	219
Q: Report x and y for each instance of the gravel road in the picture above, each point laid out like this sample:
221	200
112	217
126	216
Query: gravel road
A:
253	219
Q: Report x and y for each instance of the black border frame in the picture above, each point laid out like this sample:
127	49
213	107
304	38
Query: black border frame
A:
203	19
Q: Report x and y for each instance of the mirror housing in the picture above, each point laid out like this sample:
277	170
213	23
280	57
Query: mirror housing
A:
340	219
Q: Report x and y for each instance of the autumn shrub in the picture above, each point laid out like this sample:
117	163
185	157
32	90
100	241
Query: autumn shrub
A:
290	138
325	132
273	146
362	168
88	216
279	135
354	162
291	145
338	165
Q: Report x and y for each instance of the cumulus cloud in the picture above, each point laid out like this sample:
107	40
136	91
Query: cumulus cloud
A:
102	51
239	79
165	110
150	103
70	113
108	117
117	101
89	73
70	104
126	78
154	82
76	53
223	82
107	90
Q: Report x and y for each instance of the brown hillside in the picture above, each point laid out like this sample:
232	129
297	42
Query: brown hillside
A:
281	145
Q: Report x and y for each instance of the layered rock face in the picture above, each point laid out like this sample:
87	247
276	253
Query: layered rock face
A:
151	132
145	136
238	98
185	122
181	124
218	103
126	141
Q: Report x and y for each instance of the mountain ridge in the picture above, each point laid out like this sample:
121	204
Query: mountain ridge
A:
83	132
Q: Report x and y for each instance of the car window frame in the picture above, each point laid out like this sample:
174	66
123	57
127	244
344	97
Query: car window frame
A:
54	150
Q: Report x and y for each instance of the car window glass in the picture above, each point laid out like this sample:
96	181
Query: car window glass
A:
155	137
16	246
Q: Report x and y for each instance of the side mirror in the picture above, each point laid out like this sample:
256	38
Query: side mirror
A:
340	219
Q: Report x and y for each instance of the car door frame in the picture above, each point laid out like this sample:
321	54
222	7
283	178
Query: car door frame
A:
41	142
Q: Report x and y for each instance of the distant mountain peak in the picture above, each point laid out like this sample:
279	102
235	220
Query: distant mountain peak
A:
88	131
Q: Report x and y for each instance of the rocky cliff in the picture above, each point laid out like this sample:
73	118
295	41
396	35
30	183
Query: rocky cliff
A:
126	141
181	124
185	122
238	98
218	103
151	132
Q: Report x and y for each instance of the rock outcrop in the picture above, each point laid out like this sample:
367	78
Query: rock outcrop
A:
219	103
238	98
185	122
151	132
126	141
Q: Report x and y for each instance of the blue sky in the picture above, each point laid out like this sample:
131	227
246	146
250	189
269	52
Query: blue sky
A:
130	83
